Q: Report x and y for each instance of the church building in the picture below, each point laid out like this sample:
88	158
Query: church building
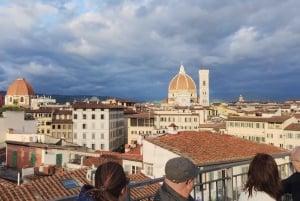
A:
19	93
183	90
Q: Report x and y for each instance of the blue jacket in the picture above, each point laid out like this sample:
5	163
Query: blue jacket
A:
83	196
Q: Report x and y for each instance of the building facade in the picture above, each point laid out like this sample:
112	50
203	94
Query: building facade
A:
98	126
276	130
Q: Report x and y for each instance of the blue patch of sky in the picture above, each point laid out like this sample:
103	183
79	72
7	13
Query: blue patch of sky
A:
4	3
48	20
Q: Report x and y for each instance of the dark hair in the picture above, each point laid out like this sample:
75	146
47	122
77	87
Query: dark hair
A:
263	175
110	179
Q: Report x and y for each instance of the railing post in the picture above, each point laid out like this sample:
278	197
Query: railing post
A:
229	184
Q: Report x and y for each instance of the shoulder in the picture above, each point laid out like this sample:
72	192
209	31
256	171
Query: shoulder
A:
83	196
256	195
243	196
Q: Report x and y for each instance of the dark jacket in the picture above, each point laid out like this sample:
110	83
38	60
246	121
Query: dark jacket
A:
83	196
166	193
292	185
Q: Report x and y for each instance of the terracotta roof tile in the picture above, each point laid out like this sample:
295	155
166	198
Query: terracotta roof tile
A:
293	127
20	87
146	190
274	119
206	148
45	188
95	105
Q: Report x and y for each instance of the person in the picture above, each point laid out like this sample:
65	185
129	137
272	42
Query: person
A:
292	184
110	184
263	181
180	173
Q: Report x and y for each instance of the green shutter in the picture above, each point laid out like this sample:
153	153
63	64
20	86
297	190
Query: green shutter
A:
32	159
14	159
59	160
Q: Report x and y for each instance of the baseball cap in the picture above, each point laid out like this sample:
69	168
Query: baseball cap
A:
180	169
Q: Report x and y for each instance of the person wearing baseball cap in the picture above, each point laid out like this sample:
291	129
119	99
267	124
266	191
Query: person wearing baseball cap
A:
180	173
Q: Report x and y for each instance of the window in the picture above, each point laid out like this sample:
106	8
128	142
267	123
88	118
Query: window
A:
102	146
135	169
93	146
149	169
75	116
93	116
83	136
83	126
84	116
69	183
102	116
93	135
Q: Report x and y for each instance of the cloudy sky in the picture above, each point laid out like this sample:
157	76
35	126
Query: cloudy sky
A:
132	49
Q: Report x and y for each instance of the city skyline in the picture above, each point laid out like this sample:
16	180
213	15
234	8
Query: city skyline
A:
132	49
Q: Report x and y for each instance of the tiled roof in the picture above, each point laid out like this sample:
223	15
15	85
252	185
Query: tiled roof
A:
206	148
274	119
297	116
4	182
134	154
20	87
144	191
45	188
94	105
50	187
96	161
293	127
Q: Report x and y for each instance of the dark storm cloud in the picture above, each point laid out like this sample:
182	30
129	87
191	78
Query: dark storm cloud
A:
132	49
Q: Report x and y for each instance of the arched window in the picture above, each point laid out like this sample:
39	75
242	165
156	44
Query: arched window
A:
22	99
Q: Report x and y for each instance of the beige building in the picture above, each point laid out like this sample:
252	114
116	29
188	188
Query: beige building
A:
280	131
139	126
62	124
184	118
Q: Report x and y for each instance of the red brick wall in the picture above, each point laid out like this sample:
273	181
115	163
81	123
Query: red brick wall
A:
23	156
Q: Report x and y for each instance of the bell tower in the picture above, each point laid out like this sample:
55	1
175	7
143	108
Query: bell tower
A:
204	87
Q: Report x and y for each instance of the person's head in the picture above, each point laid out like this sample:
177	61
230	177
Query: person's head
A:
263	175
295	156
110	182
180	173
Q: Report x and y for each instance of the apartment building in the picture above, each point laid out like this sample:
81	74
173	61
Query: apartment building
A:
184	118
98	126
276	130
139	126
62	124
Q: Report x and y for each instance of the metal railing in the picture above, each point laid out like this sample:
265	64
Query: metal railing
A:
225	188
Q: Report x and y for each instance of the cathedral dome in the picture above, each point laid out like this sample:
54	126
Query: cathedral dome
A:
182	81
20	87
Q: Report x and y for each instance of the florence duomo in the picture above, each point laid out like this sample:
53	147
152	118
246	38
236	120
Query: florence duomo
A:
182	89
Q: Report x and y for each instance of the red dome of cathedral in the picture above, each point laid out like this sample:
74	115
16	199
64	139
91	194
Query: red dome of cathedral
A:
182	81
20	87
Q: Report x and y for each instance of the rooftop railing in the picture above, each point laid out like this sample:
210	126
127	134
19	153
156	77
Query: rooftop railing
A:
225	188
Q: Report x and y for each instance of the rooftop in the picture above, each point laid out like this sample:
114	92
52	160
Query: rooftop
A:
198	147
